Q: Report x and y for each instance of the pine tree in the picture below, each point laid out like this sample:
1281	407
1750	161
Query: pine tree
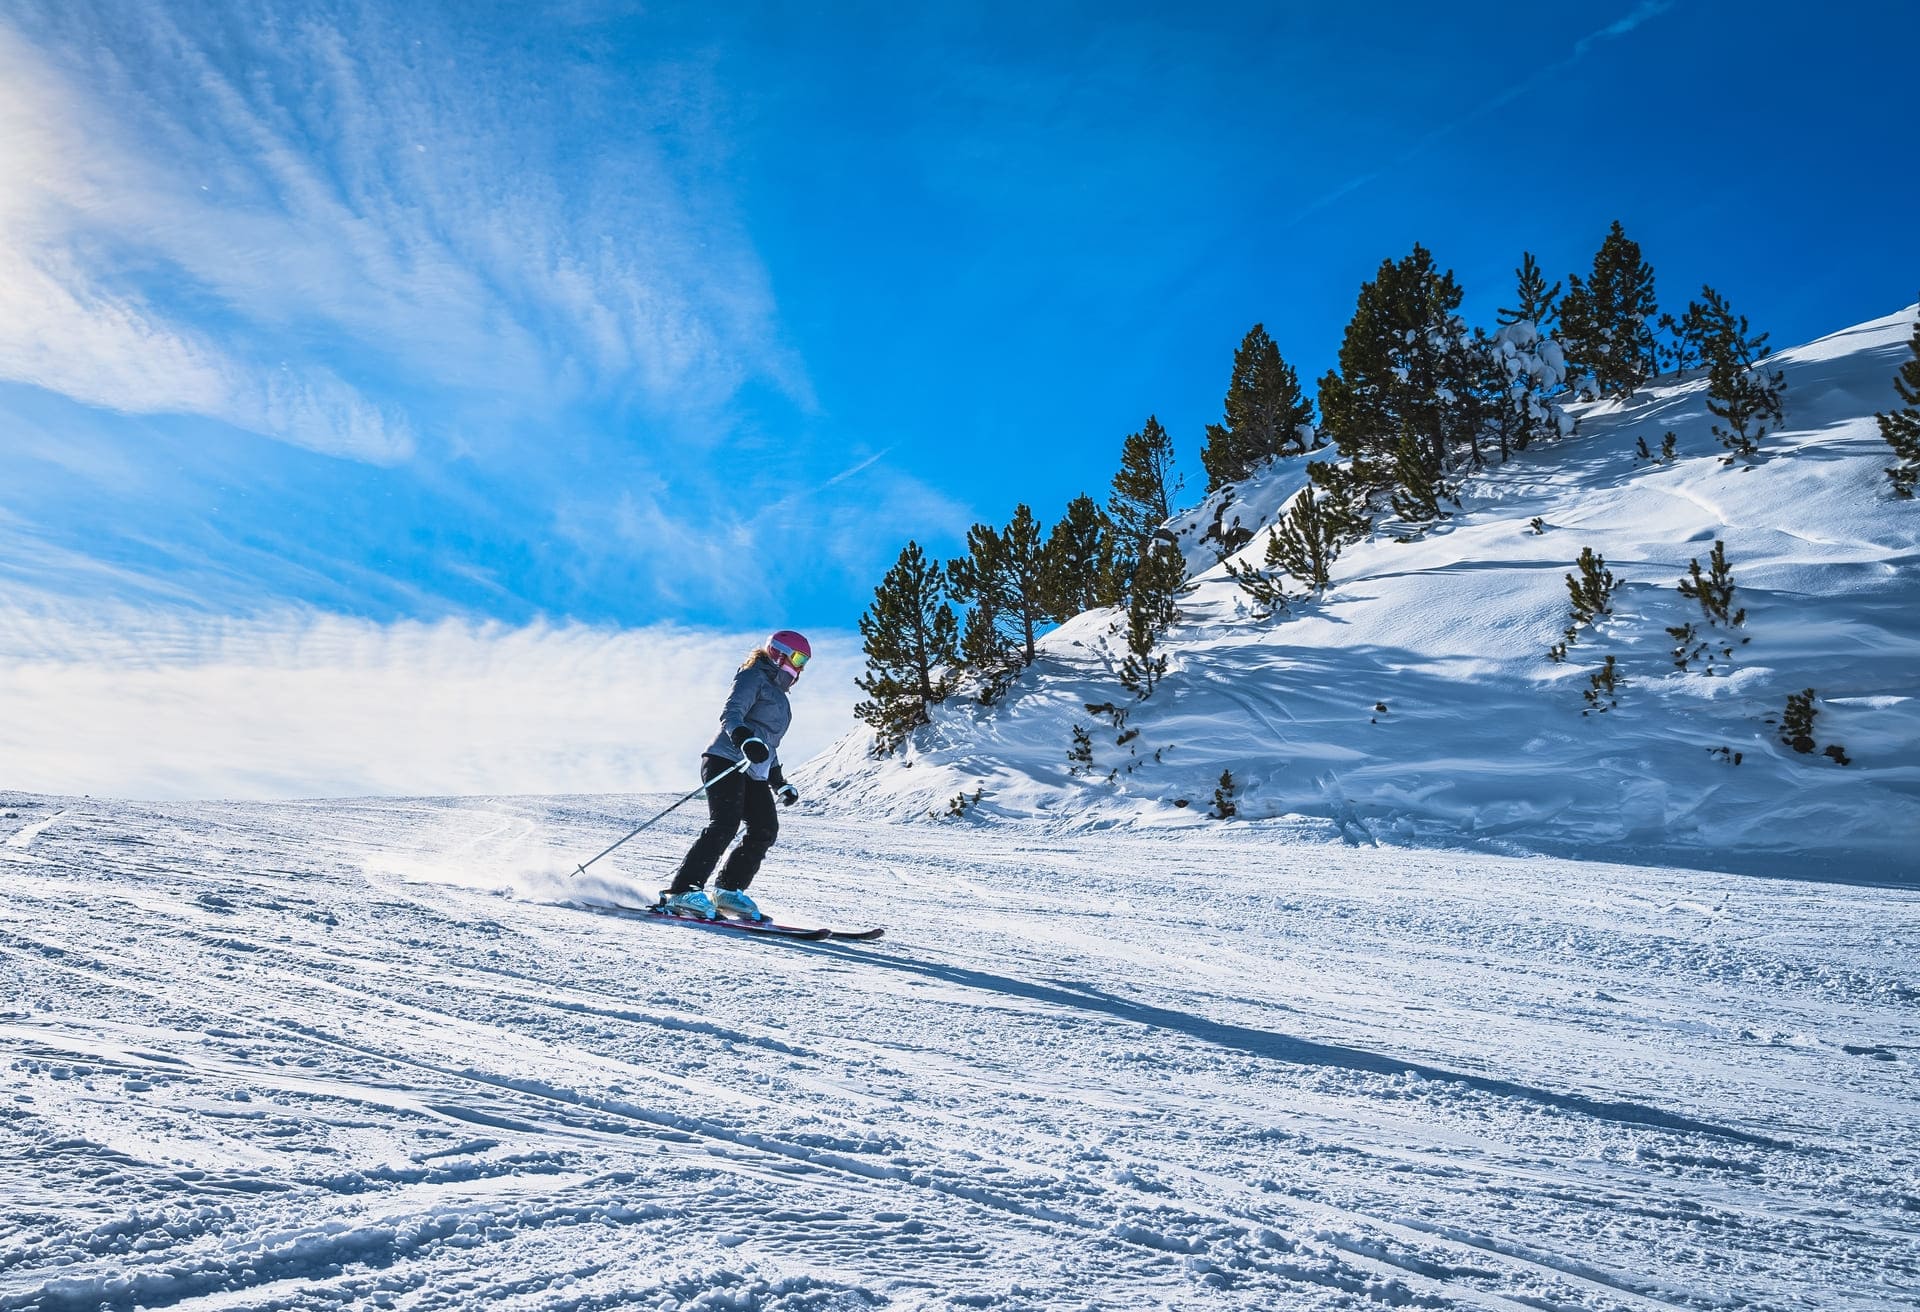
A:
1344	492
1142	496
1419	484
1405	372
1026	567
1687	345
1605	320
1901	427
1267	414
1740	391
1535	300
1307	541
1152	608
978	581
1003	576
910	635
1077	572
1523	366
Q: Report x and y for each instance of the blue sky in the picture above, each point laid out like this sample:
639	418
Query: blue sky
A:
685	318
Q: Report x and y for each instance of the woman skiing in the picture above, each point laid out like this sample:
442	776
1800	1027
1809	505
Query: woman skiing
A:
752	723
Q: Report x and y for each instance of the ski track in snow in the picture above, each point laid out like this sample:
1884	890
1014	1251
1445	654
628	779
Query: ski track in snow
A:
326	1055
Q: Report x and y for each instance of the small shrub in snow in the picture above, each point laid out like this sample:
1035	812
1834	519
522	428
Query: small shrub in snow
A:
1796	722
1591	596
1080	755
1666	455
1687	645
1796	728
1223	803
1726	754
959	805
1602	688
1538	525
1713	588
1591	593
1261	583
1901	428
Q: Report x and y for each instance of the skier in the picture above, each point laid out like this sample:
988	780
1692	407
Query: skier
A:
752	723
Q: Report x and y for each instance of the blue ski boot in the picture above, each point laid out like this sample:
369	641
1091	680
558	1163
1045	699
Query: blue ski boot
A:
694	903
735	902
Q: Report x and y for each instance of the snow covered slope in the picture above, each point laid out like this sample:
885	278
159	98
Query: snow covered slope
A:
1414	702
339	1055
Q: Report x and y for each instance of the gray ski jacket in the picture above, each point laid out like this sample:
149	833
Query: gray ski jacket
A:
760	704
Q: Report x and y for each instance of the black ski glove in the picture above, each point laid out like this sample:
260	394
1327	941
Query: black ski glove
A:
754	749
787	794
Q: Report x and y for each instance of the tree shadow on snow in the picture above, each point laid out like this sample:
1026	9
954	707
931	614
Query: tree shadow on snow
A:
1273	1046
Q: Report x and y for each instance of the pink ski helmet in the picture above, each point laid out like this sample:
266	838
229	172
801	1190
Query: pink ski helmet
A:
790	651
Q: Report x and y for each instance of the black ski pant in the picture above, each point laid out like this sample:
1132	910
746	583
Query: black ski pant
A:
737	797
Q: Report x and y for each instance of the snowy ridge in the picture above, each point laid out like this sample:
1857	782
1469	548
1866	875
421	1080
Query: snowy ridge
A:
1482	739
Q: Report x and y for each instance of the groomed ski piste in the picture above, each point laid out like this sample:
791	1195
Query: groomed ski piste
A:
1478	1004
363	1054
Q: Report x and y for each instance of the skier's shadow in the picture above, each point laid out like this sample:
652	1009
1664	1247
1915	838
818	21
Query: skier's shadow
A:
1286	1048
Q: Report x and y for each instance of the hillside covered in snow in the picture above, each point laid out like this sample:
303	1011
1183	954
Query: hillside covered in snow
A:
1414	701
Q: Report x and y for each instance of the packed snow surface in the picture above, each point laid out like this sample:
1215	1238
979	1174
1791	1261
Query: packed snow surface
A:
1413	701
367	1054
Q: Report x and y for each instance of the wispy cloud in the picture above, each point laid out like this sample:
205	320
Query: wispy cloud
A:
130	703
1641	13
1645	10
295	226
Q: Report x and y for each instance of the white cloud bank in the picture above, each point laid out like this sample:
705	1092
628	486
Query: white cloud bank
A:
134	704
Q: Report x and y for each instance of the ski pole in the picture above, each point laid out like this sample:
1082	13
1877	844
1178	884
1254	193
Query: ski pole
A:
581	869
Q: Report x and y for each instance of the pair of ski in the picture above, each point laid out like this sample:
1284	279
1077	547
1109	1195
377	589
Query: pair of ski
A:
774	928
